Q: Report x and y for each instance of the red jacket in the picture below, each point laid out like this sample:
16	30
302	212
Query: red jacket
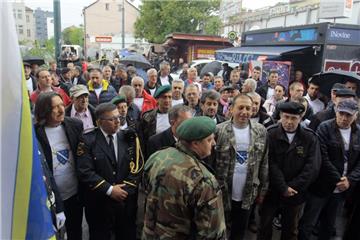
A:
149	102
66	99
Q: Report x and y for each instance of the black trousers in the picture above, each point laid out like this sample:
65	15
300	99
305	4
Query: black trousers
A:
290	215
239	221
108	219
74	215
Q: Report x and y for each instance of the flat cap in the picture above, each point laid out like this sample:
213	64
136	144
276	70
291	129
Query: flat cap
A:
161	90
119	99
291	107
348	105
196	128
26	64
78	90
345	93
338	86
227	88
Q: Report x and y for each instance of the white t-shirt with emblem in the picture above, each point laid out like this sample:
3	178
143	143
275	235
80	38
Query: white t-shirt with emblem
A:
242	136
63	162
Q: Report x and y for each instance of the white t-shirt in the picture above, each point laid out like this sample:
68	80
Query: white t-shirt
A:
152	91
317	105
162	122
270	93
177	102
345	134
98	91
242	136
29	85
164	80
63	162
290	137
139	102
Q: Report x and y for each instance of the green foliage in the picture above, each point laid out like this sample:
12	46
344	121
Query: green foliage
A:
73	35
213	25
159	18
46	50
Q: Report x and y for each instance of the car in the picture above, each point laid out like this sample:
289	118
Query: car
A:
198	64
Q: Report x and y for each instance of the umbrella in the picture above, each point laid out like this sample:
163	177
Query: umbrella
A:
34	60
137	60
326	80
214	67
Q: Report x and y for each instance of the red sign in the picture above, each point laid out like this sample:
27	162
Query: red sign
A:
103	39
352	66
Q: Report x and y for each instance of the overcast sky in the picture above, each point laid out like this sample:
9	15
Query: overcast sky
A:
71	10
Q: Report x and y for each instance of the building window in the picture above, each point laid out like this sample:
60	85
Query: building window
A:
19	16
28	32
107	6
21	29
27	18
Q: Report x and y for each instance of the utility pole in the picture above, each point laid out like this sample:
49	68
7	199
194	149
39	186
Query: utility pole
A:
57	28
123	24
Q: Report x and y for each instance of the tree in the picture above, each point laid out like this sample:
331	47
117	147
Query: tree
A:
73	35
213	25
159	18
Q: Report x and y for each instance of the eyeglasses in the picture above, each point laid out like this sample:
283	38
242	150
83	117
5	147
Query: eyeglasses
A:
112	119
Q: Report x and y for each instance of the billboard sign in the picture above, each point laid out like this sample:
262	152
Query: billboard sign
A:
106	39
335	8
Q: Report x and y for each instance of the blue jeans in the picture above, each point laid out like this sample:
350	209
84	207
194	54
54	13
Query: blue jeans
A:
322	209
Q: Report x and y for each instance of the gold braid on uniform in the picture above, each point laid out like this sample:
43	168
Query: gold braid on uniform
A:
135	167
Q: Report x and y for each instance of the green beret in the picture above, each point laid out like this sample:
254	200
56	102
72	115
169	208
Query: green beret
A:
196	128
291	107
118	99
161	90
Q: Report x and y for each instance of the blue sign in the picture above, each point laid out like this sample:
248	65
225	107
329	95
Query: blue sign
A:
290	36
235	57
342	35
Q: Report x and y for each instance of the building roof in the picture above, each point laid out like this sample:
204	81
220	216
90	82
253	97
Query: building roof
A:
196	37
28	9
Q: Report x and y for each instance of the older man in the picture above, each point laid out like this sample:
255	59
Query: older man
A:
44	84
107	73
120	78
59	137
339	174
184	200
151	85
241	164
164	77
99	88
191	76
143	100
80	107
129	92
125	119
249	86
218	83
109	168
168	138
209	103
192	96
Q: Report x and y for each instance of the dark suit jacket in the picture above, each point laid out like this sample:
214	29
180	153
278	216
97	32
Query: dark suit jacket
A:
159	81
98	170
160	141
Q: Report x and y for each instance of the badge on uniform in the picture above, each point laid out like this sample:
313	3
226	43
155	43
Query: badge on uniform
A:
241	156
62	156
300	151
80	150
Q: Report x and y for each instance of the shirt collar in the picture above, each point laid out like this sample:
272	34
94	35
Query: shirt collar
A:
106	135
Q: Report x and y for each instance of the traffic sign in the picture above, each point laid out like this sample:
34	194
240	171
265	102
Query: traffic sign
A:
232	35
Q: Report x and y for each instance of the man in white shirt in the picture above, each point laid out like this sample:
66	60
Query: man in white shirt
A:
177	89
109	168
142	100
241	164
268	90
30	82
312	96
164	77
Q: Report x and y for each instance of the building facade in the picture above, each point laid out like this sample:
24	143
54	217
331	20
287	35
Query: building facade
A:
296	12
24	20
103	25
41	23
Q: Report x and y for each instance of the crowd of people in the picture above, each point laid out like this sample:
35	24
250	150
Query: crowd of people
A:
195	158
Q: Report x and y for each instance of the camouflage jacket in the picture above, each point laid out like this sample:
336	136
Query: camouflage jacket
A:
183	199
224	164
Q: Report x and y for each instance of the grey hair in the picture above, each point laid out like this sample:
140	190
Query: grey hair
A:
211	94
137	78
253	94
176	110
163	64
252	84
151	70
127	89
179	81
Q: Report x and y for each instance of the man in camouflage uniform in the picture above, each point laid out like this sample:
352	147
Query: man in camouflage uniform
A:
184	200
241	164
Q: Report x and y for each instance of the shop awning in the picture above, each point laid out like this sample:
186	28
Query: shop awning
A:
246	54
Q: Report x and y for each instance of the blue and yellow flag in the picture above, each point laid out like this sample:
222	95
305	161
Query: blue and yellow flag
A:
24	211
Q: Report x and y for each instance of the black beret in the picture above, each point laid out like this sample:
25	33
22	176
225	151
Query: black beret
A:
161	90
291	107
338	86
196	128
345	93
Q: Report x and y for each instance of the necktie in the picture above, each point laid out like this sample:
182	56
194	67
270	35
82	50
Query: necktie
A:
111	145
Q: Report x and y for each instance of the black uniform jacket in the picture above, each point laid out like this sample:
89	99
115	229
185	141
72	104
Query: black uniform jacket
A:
294	165
160	141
